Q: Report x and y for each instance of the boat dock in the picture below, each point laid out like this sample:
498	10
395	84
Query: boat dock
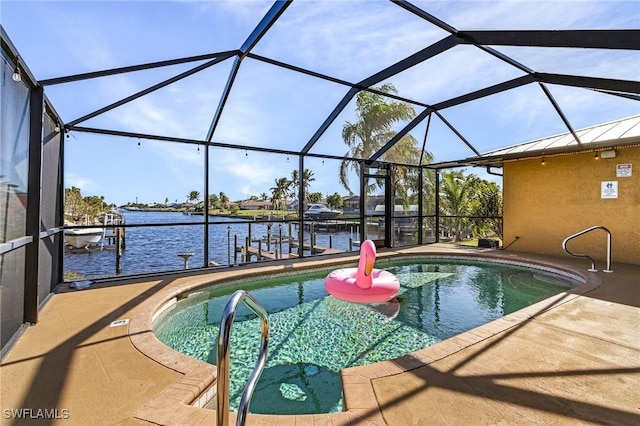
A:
332	225
248	252
316	249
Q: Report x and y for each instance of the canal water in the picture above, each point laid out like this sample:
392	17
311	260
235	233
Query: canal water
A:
156	248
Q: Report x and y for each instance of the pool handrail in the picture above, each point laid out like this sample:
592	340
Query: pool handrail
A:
222	383
593	263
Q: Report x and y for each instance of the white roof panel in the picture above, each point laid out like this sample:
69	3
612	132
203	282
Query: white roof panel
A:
619	130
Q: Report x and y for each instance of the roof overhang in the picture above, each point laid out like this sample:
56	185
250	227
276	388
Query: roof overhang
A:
615	134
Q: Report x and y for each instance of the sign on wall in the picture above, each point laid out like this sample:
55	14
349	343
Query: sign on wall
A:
623	170
609	189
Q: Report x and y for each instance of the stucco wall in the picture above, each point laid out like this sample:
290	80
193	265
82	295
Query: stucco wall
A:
543	204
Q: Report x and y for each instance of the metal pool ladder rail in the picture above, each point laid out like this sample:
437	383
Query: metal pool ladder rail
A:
593	264
223	357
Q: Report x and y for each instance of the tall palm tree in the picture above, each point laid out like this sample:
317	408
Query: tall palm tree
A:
224	200
293	186
193	196
486	205
307	178
374	128
456	190
279	192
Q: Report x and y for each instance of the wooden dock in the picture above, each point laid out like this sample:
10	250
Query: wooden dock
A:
260	253
247	252
315	249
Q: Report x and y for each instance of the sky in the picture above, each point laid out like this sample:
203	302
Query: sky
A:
273	107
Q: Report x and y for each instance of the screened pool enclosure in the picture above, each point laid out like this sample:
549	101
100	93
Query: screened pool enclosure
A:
212	111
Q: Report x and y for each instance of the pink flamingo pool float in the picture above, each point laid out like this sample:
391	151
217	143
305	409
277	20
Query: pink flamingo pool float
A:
363	284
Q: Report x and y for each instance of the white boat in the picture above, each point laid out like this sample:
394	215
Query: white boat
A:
321	212
82	237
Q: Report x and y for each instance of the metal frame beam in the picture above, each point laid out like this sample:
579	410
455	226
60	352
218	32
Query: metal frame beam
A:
422	55
426	16
559	111
334	80
133	68
223	99
406	129
622	95
487	91
402	65
212	144
146	91
276	10
32	250
424	142
586	39
605	84
462	138
330	119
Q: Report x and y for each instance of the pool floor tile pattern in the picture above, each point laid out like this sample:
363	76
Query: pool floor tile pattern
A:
507	371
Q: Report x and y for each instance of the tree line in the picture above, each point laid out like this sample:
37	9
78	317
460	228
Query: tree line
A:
79	208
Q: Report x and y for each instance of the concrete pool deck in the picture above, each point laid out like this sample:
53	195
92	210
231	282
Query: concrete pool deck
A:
574	358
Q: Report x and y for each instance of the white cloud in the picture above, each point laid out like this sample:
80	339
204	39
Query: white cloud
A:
85	184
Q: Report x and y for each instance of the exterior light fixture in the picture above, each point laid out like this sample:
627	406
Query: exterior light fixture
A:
608	154
17	75
596	156
57	128
542	162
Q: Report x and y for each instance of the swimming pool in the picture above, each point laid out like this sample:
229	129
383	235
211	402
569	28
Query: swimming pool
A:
314	336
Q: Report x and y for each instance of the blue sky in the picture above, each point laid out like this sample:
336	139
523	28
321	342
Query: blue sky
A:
277	108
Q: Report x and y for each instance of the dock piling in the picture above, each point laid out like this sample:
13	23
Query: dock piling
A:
235	249
228	244
118	252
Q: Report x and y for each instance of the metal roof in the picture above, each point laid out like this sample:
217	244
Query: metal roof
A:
617	133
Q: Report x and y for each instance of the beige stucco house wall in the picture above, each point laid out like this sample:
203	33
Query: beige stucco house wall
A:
545	203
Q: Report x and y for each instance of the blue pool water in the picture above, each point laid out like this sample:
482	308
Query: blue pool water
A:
313	335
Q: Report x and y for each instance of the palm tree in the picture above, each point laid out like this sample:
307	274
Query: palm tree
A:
279	192
374	128
307	178
486	205
263	196
224	200
295	181
193	196
456	190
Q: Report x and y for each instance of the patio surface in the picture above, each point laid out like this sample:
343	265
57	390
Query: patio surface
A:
571	359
